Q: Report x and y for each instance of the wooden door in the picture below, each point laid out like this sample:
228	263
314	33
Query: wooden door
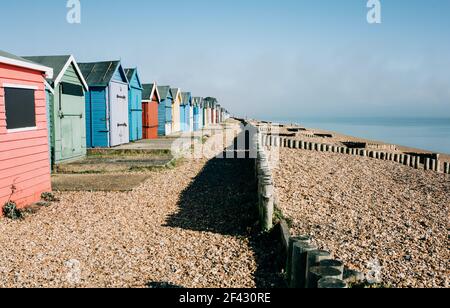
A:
118	114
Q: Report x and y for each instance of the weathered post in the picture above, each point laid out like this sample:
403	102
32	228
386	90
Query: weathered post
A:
268	204
313	259
447	167
299	255
319	272
295	145
407	160
331	283
417	163
336	264
427	163
304	239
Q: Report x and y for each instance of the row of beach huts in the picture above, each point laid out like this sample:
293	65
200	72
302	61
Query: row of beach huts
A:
52	109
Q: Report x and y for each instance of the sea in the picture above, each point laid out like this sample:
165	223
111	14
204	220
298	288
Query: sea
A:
431	134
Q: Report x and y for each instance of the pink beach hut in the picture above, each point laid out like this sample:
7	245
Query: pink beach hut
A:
24	147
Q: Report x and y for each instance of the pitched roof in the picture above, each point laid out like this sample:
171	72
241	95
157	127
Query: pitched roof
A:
99	73
196	100
185	97
14	60
164	92
147	91
130	72
175	92
59	65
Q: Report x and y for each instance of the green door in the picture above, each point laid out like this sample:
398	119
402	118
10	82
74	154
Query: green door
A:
72	121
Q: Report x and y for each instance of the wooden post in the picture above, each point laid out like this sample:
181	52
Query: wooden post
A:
299	255
417	163
336	264
295	145
412	162
407	160
446	167
318	272
433	165
331	283
267	204
304	239
313	259
427	164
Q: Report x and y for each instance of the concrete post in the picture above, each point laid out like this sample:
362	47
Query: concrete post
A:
299	257
304	239
331	283
319	272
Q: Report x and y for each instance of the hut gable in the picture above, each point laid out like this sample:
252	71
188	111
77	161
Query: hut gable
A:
100	74
186	98
149	91
65	69
133	78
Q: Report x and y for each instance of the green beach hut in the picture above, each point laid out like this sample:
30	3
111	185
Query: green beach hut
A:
66	108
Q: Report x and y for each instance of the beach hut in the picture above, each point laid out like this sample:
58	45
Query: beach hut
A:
24	144
150	104
107	123
66	108
165	111
176	105
198	114
185	111
191	117
134	104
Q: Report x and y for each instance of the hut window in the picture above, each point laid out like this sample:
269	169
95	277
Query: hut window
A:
72	89
20	108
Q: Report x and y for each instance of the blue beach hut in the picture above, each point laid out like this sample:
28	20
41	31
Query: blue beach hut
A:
186	106
107	123
165	121
134	104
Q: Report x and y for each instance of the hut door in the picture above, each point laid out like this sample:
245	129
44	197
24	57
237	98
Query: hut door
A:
120	131
72	120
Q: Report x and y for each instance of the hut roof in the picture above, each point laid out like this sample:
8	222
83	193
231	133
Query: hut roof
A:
100	73
14	60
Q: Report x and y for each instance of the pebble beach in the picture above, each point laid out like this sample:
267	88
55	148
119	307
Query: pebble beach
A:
369	213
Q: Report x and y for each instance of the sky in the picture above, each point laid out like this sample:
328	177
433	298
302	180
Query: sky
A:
283	59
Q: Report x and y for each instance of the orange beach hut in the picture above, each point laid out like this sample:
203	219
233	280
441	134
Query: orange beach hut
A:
24	144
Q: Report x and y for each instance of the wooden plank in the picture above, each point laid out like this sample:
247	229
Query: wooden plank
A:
8	72
21	186
20	153
24	173
19	144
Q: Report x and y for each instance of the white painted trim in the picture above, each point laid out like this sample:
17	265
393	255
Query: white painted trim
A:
19	86
20	130
49	87
70	61
47	70
155	89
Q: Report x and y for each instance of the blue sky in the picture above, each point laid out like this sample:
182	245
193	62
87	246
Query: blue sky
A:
284	59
